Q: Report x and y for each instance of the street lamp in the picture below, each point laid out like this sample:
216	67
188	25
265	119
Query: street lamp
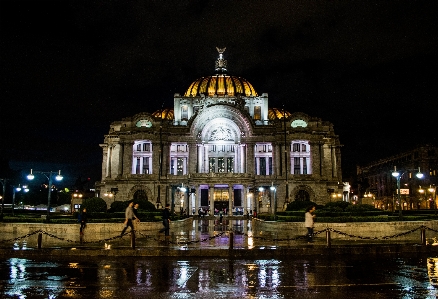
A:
273	188
14	190
48	175
398	176
433	191
3	181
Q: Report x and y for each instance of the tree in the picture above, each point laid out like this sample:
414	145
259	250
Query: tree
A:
94	204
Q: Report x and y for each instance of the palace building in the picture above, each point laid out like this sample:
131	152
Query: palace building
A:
221	147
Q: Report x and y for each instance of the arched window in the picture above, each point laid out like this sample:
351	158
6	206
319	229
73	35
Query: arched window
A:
302	195
140	195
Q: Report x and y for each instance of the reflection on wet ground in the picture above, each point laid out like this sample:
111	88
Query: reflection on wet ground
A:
204	233
292	277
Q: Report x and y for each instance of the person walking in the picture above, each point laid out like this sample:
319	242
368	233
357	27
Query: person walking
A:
129	216
137	218
166	221
309	222
83	218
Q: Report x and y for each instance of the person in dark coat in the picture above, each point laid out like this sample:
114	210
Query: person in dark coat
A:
83	218
129	216
166	220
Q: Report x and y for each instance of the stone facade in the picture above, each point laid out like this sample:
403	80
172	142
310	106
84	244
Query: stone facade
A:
379	187
221	147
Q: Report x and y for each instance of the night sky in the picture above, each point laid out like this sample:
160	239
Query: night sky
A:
70	68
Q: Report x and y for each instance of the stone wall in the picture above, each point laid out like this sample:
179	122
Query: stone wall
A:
362	229
92	229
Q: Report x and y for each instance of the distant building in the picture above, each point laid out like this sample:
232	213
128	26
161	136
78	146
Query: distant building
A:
376	180
221	147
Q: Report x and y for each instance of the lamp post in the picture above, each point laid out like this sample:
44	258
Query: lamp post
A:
48	175
3	181
398	176
14	190
433	191
273	188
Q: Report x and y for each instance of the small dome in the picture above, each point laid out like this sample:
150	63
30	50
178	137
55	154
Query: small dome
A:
220	85
163	114
275	113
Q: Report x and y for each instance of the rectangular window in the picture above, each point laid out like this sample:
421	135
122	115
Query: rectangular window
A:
303	148
138	147
180	166
304	166
204	198
257	112
172	166
137	166
221	164
270	166
146	147
145	165
237	197
263	166
212	165
297	165
296	147
184	112
230	164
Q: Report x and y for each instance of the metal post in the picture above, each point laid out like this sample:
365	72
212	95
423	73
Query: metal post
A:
3	181
132	239
328	238
399	198
423	236
231	241
275	204
49	197
13	200
40	240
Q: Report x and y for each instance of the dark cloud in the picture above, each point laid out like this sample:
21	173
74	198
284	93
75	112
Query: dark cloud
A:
70	68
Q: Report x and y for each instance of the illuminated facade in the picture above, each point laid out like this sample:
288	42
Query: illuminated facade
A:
221	147
378	187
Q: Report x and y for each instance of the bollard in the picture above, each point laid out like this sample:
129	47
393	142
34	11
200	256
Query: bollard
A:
231	241
40	240
423	236
132	239
327	236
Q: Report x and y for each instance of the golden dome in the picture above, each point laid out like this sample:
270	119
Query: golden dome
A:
220	85
275	113
163	114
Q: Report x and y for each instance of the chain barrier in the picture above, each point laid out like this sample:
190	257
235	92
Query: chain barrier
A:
184	241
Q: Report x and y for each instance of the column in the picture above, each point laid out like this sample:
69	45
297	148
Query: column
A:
236	158
211	191
242	148
245	201
230	200
206	170
108	163
104	160
197	198
200	158
121	154
250	160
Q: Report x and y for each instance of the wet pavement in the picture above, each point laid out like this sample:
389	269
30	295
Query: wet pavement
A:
306	277
198	263
203	238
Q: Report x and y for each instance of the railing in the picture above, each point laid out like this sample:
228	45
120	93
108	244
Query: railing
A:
263	239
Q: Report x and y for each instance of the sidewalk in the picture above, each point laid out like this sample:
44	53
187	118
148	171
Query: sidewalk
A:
207	238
